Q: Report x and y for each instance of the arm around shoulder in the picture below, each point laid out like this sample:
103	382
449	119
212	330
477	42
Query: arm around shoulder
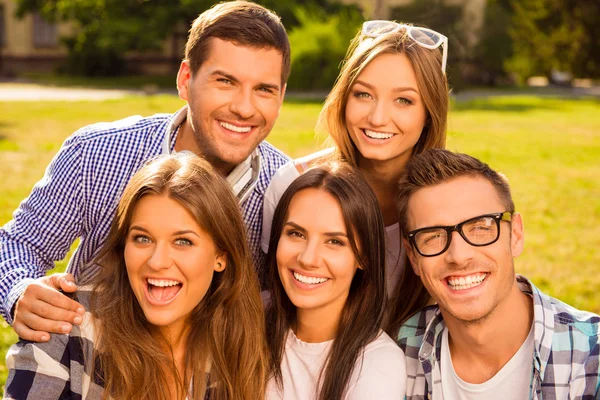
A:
43	227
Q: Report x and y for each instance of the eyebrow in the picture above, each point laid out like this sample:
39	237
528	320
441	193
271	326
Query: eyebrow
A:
396	89
232	78
329	234
182	232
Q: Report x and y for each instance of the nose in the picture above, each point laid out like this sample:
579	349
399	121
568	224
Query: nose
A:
309	255
380	114
160	257
242	104
459	250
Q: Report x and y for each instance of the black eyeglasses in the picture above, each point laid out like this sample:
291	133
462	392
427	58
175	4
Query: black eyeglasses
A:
478	231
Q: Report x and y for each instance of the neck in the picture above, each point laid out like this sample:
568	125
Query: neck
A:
480	349
383	178
315	325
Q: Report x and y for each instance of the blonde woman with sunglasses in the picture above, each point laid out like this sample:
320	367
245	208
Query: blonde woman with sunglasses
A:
389	102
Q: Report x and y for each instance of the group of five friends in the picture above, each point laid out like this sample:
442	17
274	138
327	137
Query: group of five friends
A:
386	262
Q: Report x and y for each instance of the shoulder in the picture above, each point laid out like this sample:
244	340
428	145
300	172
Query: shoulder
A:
381	374
271	158
383	354
122	130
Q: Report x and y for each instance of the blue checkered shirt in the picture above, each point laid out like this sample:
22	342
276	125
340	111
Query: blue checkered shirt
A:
78	195
565	360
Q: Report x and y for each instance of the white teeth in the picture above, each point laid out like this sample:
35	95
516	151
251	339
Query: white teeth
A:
238	129
162	282
462	283
311	280
378	135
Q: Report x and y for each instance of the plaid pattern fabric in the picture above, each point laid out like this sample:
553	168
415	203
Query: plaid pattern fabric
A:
58	369
566	350
78	195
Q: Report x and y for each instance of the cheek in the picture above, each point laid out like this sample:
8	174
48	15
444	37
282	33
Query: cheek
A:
133	258
354	113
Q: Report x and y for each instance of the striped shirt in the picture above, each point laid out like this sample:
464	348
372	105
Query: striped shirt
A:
565	362
78	195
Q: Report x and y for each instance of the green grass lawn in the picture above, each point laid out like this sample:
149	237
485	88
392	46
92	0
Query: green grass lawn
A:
548	147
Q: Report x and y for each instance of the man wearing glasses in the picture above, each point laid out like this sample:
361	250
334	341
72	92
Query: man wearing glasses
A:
491	333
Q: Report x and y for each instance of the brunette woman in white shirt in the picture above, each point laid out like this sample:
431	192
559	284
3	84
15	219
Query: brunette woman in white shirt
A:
327	273
389	102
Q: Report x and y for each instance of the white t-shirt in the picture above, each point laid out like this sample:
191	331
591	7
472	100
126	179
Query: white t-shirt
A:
511	382
382	375
285	175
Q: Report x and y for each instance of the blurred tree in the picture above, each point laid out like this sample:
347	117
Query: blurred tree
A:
555	35
106	29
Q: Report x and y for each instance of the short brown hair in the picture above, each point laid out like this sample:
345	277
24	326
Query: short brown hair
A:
436	166
241	22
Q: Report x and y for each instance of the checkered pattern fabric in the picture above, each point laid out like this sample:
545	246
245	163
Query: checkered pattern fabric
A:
60	368
566	351
78	195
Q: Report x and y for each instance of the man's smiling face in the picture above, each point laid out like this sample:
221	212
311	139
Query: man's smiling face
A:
468	282
234	99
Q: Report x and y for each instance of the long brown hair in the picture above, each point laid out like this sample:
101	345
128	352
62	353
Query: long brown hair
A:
225	349
362	314
431	81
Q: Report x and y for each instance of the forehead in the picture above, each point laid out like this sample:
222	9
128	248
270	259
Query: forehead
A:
452	202
389	70
171	211
245	63
316	209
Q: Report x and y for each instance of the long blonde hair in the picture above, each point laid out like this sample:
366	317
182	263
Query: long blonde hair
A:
431	81
226	329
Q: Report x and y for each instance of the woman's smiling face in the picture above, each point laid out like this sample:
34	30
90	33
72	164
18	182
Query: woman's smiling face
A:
315	260
385	114
170	261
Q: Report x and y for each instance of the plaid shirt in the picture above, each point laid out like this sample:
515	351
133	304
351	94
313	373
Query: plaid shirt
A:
79	192
565	360
60	368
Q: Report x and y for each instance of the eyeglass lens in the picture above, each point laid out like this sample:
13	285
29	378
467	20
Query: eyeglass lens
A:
477	232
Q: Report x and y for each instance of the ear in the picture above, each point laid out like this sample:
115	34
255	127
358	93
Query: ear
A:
410	252
283	89
183	79
517	235
221	262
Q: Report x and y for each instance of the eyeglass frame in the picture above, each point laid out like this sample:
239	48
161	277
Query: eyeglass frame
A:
498	217
443	42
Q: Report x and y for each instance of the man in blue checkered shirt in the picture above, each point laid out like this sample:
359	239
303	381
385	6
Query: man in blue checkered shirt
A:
491	334
237	61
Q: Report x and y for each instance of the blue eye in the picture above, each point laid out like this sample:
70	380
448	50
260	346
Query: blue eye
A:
183	242
142	239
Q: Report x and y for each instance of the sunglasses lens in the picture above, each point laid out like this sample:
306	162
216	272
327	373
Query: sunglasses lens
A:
426	37
376	28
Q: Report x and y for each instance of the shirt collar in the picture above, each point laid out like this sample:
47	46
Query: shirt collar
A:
243	178
543	329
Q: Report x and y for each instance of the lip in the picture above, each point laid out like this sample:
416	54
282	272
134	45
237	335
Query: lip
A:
152	300
376	142
306	286
236	124
470	291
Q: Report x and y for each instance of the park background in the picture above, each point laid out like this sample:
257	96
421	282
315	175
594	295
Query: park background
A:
523	74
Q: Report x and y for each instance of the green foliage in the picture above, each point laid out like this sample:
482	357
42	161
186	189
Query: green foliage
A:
562	35
319	45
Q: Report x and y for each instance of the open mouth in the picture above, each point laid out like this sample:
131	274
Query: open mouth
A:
466	282
377	135
309	280
163	290
235	128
